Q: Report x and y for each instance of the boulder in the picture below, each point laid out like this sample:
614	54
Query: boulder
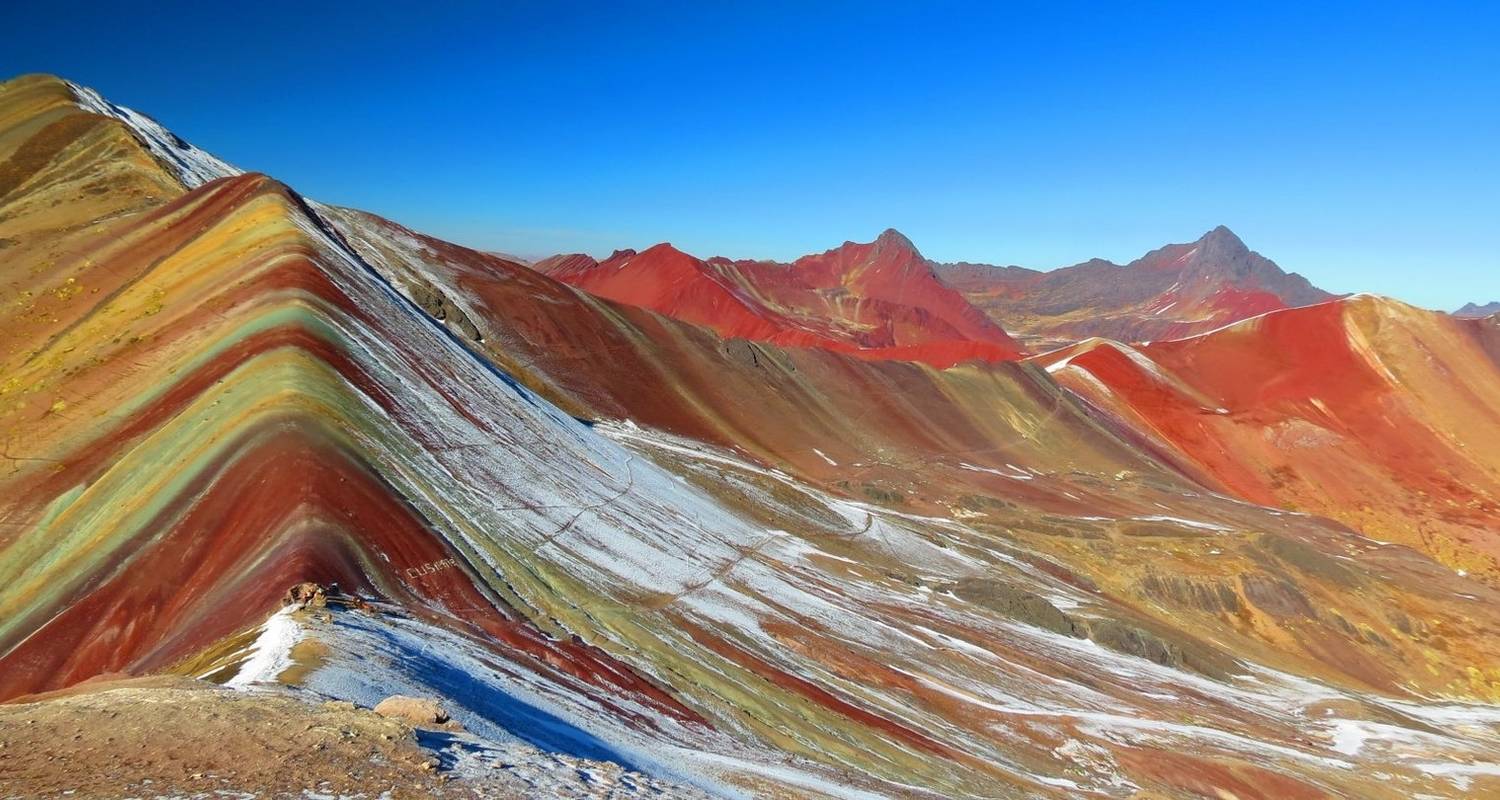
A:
305	595
415	710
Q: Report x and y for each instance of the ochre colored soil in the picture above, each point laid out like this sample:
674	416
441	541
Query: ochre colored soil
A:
159	736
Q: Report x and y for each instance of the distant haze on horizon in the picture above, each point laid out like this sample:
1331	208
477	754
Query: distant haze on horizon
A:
1349	143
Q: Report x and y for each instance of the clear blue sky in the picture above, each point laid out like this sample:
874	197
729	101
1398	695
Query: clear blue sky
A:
1358	144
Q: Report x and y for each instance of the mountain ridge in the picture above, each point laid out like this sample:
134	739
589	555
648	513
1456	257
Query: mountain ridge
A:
878	299
1479	310
1172	291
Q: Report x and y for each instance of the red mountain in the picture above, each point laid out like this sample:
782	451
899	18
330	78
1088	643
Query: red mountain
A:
1363	409
879	300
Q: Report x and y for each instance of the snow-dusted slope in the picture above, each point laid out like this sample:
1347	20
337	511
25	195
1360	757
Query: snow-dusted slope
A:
191	166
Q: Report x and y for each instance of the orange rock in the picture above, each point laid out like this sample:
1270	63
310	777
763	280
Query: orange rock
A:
416	710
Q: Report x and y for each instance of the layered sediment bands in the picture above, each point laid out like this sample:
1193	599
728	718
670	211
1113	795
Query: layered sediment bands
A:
822	415
1031	473
1000	447
227	470
744	562
211	424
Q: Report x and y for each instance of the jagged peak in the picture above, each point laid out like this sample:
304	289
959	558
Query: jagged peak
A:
890	237
1221	233
894	245
893	254
1221	242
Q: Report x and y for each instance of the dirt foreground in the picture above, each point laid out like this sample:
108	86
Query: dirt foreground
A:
167	736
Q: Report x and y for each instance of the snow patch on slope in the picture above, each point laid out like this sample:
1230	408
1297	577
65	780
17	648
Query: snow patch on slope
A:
192	166
271	654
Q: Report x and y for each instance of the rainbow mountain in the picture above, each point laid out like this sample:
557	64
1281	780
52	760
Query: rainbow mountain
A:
1259	561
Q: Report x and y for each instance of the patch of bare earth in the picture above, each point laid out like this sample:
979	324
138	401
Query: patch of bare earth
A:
167	736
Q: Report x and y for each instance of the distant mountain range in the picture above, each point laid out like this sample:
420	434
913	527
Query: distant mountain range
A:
884	300
875	300
1175	291
1476	310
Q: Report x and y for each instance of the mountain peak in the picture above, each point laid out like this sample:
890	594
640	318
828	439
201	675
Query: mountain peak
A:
1221	241
890	237
660	257
664	249
894	250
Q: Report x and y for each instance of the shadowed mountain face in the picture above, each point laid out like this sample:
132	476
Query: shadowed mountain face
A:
1256	563
1176	291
